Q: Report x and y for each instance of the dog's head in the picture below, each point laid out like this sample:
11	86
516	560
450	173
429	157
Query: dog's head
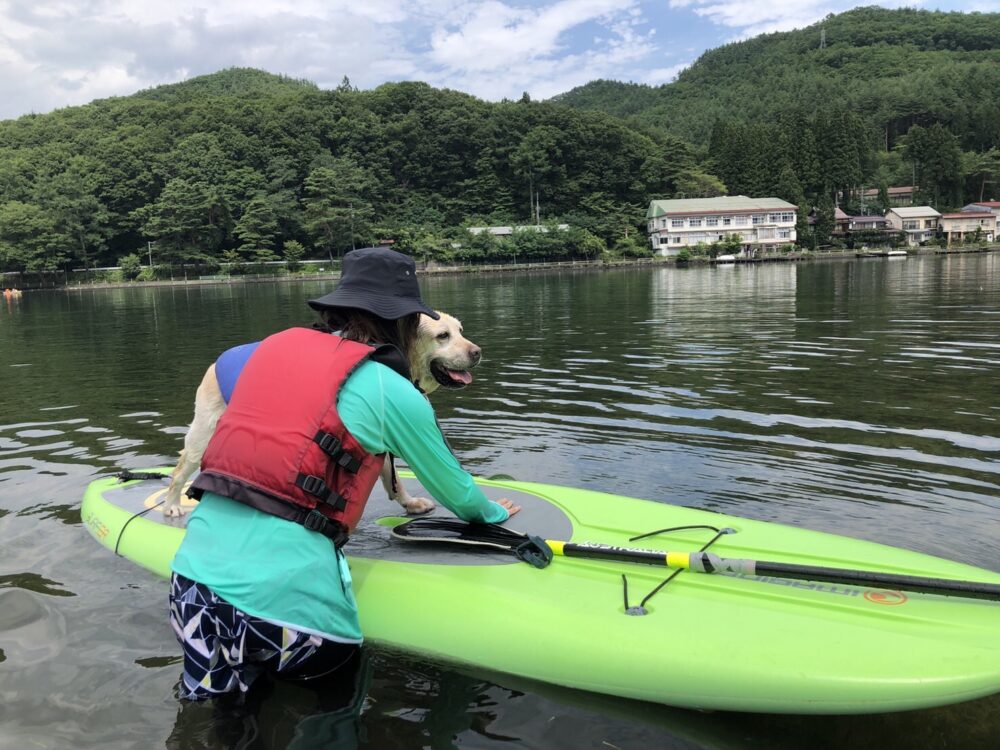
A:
441	356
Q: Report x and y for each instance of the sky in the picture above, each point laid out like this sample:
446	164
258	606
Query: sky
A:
59	53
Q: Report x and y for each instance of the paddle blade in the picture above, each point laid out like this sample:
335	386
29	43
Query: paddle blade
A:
531	549
452	530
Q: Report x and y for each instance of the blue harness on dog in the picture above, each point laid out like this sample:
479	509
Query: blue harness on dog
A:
229	365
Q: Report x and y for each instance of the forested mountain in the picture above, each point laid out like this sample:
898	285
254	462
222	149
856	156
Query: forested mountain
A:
897	68
865	99
244	165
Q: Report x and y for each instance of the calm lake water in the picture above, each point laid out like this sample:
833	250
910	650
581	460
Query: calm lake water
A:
858	397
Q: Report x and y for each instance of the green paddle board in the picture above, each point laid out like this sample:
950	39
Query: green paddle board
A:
733	642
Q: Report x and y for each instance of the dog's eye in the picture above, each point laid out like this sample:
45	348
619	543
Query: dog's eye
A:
444	336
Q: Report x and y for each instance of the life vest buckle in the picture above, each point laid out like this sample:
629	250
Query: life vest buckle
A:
314	521
332	447
313	485
328	443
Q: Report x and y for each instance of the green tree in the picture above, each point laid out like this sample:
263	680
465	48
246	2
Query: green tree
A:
258	230
27	234
82	218
187	221
537	159
294	252
693	183
338	212
131	266
938	163
981	170
825	221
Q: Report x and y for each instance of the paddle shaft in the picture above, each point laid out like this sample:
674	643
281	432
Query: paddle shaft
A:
704	562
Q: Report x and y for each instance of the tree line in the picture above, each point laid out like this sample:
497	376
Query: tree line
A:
243	166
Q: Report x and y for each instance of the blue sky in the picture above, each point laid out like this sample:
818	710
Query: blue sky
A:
57	53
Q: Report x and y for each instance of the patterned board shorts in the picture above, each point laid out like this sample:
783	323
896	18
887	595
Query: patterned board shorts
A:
226	650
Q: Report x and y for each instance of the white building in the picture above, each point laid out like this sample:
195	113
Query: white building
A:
965	225
508	231
920	223
675	224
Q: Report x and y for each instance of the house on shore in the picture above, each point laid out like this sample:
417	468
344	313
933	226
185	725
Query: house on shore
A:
898	196
967	224
992	207
867	224
688	222
841	221
508	231
918	223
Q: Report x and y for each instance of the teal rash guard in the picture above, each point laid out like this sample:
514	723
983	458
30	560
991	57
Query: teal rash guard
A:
281	571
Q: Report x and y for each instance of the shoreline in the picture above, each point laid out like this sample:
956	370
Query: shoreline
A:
432	268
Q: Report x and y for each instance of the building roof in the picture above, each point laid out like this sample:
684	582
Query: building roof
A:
970	215
913	212
839	215
903	190
991	204
868	218
506	231
721	205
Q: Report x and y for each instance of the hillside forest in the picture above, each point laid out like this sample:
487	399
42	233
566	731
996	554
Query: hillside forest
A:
244	166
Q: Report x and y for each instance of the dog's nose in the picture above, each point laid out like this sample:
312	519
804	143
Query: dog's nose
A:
476	354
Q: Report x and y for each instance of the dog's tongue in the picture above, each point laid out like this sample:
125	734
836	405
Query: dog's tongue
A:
460	376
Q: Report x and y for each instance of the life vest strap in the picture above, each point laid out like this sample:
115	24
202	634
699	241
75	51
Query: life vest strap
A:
333	448
318	488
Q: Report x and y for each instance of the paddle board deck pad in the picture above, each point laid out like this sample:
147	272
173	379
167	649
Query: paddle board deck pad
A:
731	642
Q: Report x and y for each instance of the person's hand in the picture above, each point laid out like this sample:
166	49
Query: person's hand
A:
509	506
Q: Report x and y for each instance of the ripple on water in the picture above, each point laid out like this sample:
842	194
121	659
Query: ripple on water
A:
32	629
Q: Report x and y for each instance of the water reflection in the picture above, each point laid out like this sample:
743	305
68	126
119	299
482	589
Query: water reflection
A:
855	397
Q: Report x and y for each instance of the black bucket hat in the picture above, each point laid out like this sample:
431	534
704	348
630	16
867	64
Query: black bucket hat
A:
378	280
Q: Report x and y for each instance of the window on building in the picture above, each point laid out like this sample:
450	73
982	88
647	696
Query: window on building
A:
677	223
712	221
758	219
742	221
911	224
787	216
675	240
727	221
694	222
784	234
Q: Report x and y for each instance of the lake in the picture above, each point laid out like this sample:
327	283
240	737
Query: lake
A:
858	397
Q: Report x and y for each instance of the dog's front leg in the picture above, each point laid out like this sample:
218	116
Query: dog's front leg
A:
208	407
414	506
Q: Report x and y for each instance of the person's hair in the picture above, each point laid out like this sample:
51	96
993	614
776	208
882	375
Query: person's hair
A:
367	328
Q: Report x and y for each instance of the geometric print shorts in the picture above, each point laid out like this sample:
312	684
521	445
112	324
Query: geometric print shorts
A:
226	649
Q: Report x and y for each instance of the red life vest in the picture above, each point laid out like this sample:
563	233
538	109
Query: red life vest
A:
281	447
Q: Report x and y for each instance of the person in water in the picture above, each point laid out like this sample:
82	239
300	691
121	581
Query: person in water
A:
260	584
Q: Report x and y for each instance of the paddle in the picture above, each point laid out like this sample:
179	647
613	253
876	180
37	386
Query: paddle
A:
539	552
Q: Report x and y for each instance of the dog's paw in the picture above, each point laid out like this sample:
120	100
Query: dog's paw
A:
418	506
175	511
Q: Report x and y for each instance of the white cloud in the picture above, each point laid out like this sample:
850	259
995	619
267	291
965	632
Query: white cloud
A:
498	50
660	76
752	18
56	53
